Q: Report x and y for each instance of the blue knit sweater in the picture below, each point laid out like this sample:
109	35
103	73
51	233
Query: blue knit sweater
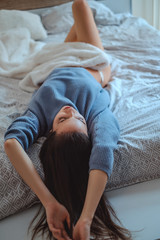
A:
75	87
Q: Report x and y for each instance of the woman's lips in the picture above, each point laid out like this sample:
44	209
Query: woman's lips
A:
67	107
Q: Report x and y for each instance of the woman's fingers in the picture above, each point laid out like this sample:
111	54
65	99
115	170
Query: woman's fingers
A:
65	235
60	234
68	221
56	233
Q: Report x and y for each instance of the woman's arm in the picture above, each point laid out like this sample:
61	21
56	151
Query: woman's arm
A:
96	185
26	170
55	212
104	131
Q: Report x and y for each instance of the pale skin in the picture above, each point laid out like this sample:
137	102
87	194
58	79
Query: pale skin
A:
68	119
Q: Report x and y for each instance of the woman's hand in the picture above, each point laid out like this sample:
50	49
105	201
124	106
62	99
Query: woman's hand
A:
96	185
82	230
56	215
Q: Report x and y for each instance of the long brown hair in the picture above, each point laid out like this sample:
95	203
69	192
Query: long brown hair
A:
65	161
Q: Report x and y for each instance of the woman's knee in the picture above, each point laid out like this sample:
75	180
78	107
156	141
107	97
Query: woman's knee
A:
79	5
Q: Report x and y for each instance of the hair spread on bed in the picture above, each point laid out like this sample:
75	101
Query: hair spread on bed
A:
66	176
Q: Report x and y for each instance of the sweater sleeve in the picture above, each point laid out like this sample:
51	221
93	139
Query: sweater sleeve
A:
25	129
104	131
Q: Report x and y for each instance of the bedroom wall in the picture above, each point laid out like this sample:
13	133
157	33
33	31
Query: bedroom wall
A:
118	6
149	10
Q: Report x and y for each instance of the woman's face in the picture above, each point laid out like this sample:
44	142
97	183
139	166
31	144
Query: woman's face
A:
69	120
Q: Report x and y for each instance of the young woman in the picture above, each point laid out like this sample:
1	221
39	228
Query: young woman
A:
71	109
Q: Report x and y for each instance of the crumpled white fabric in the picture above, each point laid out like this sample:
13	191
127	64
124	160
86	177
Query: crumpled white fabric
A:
23	58
16	46
76	54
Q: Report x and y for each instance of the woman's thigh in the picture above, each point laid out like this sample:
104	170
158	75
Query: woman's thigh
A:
85	27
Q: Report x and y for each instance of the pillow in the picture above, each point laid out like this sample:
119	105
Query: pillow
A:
10	19
58	19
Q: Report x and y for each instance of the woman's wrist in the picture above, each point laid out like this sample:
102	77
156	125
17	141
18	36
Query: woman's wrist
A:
87	218
48	200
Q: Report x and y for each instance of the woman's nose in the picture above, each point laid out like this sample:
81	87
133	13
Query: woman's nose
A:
70	112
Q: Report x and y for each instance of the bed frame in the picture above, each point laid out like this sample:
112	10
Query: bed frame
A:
122	6
30	4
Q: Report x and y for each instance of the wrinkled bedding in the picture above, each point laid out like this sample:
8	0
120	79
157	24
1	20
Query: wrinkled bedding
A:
134	49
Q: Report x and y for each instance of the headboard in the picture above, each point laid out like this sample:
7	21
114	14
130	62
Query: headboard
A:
116	6
29	4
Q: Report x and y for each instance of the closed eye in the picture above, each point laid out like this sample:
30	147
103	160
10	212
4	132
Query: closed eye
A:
62	119
82	120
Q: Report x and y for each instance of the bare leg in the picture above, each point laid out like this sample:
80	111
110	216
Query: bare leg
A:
85	27
72	36
85	30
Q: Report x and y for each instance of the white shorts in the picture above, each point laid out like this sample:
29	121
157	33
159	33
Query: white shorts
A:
102	77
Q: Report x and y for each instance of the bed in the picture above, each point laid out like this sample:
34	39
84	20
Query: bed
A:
134	50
